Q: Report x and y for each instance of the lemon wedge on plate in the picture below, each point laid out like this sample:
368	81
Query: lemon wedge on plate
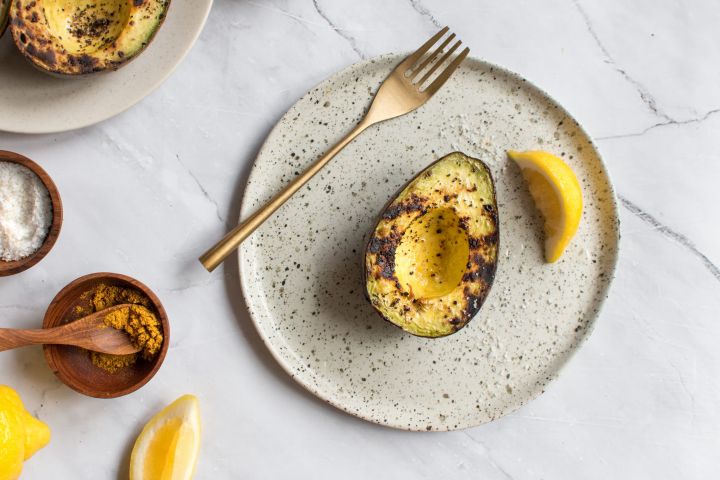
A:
168	446
557	194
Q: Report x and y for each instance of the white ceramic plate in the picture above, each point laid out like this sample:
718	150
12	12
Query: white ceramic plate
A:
33	102
301	272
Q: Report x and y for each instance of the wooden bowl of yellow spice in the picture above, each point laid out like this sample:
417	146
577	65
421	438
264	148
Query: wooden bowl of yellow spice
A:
102	375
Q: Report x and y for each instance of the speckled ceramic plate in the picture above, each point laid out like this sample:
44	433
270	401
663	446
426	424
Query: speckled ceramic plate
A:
301	271
34	102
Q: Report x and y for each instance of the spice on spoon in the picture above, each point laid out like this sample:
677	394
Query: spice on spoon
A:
142	326
25	212
137	320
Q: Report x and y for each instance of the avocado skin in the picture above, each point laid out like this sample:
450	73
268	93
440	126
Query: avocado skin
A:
379	256
4	15
38	43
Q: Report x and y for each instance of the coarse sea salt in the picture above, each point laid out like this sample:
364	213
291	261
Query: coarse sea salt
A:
25	212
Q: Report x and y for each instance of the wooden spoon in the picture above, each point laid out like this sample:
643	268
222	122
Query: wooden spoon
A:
89	332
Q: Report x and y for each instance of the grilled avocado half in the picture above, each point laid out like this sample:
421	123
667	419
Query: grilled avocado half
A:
431	259
77	37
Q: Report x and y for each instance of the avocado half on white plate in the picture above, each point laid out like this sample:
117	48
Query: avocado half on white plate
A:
431	258
78	37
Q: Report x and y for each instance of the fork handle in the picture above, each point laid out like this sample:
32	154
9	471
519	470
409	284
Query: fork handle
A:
213	257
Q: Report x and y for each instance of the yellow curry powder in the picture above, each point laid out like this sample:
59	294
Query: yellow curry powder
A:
138	321
106	296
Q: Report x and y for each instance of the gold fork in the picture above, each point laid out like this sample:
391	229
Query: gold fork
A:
403	91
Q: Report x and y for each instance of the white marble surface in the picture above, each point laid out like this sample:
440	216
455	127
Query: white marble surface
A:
148	190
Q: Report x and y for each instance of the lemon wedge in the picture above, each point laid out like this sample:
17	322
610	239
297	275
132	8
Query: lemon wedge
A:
168	446
21	434
557	194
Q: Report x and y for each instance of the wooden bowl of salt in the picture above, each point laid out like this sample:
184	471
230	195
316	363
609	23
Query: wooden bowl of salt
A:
28	242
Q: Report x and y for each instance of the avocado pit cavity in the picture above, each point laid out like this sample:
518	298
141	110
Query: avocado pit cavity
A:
86	26
433	253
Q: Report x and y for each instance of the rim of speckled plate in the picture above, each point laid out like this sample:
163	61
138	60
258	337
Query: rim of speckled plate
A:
245	206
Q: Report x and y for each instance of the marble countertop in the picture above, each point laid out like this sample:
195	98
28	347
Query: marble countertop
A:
150	189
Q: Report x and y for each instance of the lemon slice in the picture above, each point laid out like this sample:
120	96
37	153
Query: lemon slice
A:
556	191
168	446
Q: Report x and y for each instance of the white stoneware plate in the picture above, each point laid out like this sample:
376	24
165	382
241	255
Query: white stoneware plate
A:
34	102
301	271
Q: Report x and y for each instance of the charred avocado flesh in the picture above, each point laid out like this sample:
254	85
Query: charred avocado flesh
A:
431	259
75	37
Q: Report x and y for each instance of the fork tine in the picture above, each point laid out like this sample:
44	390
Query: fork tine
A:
415	57
433	55
439	62
442	78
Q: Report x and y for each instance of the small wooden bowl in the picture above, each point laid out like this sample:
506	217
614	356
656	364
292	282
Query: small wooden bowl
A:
73	366
17	266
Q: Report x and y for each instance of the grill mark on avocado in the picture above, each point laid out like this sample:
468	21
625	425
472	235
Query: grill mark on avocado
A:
491	238
483	270
492	214
386	262
47	56
86	63
384	250
473	303
414	203
458	323
488	241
